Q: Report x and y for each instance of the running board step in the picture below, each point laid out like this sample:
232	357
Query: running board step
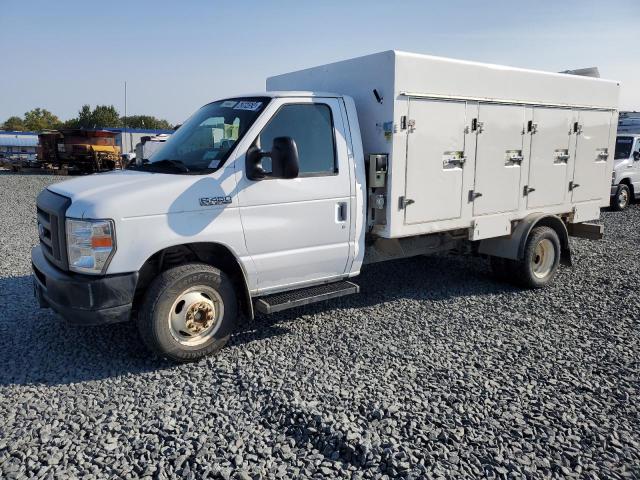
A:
305	296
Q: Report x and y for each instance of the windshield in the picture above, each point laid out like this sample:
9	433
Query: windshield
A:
203	143
623	148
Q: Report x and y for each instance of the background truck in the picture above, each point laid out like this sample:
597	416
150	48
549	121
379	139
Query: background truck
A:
625	178
78	150
149	145
272	201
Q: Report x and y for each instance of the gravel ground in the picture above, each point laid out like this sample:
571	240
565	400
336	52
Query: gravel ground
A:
433	371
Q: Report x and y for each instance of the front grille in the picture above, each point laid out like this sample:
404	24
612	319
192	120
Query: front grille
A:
51	209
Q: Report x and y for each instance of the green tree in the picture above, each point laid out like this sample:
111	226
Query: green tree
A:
40	119
85	118
15	124
102	116
145	121
105	116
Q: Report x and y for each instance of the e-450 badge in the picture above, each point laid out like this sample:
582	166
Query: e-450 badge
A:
210	201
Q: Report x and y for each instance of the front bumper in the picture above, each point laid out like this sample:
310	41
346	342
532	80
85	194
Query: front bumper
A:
82	299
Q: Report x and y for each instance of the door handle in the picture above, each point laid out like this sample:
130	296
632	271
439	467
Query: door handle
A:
341	211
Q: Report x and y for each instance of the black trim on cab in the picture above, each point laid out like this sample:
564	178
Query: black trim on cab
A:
51	209
82	299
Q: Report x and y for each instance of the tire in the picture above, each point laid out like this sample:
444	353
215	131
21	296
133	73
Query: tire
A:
622	198
188	312
541	259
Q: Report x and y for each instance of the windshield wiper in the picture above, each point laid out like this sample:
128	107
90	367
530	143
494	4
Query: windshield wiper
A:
177	164
163	165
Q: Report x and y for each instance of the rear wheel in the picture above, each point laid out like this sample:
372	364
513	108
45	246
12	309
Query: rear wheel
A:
622	198
188	312
541	258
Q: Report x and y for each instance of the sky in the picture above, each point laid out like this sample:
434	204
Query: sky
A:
177	56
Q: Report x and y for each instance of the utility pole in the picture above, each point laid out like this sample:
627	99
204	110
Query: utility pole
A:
125	118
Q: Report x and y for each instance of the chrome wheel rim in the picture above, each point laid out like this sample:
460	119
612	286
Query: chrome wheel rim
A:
196	315
543	258
623	198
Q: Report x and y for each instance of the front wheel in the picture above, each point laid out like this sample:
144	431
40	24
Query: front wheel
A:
188	312
621	199
541	258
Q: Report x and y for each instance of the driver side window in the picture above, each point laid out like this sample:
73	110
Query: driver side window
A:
311	127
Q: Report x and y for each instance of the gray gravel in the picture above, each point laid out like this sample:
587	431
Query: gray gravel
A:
434	371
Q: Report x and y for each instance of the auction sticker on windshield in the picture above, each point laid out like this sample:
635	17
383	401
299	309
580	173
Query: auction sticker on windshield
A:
252	106
228	104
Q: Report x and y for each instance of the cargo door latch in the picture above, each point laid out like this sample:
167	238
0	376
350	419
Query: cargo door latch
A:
403	202
473	195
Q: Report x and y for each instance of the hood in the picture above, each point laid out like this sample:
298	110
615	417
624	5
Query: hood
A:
129	193
621	163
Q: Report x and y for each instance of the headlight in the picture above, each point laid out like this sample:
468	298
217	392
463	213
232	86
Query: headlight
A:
90	244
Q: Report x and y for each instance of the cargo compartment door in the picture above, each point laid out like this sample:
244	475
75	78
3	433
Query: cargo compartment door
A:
499	158
550	158
592	140
435	160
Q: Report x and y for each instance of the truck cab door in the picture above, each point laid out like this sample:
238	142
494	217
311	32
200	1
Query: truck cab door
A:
297	231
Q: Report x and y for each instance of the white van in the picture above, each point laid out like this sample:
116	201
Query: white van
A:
625	178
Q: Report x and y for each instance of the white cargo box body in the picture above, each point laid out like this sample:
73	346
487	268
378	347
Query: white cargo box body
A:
474	145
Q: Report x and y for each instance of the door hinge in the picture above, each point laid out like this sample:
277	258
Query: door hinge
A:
577	128
407	124
403	202
473	195
527	190
477	126
573	185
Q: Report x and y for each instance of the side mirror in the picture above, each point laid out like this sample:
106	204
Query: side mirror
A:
284	160
636	156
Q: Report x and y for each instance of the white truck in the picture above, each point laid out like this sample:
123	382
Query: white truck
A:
149	145
275	200
625	178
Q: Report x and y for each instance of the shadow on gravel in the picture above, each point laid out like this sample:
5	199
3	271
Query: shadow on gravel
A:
38	347
433	278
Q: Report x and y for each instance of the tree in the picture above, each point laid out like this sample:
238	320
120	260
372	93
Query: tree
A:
102	116
106	116
40	119
85	119
15	124
145	121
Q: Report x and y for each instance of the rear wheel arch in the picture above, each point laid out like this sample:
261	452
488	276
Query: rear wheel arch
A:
512	247
559	227
215	254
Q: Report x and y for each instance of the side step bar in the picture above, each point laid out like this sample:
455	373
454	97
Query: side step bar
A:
304	296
